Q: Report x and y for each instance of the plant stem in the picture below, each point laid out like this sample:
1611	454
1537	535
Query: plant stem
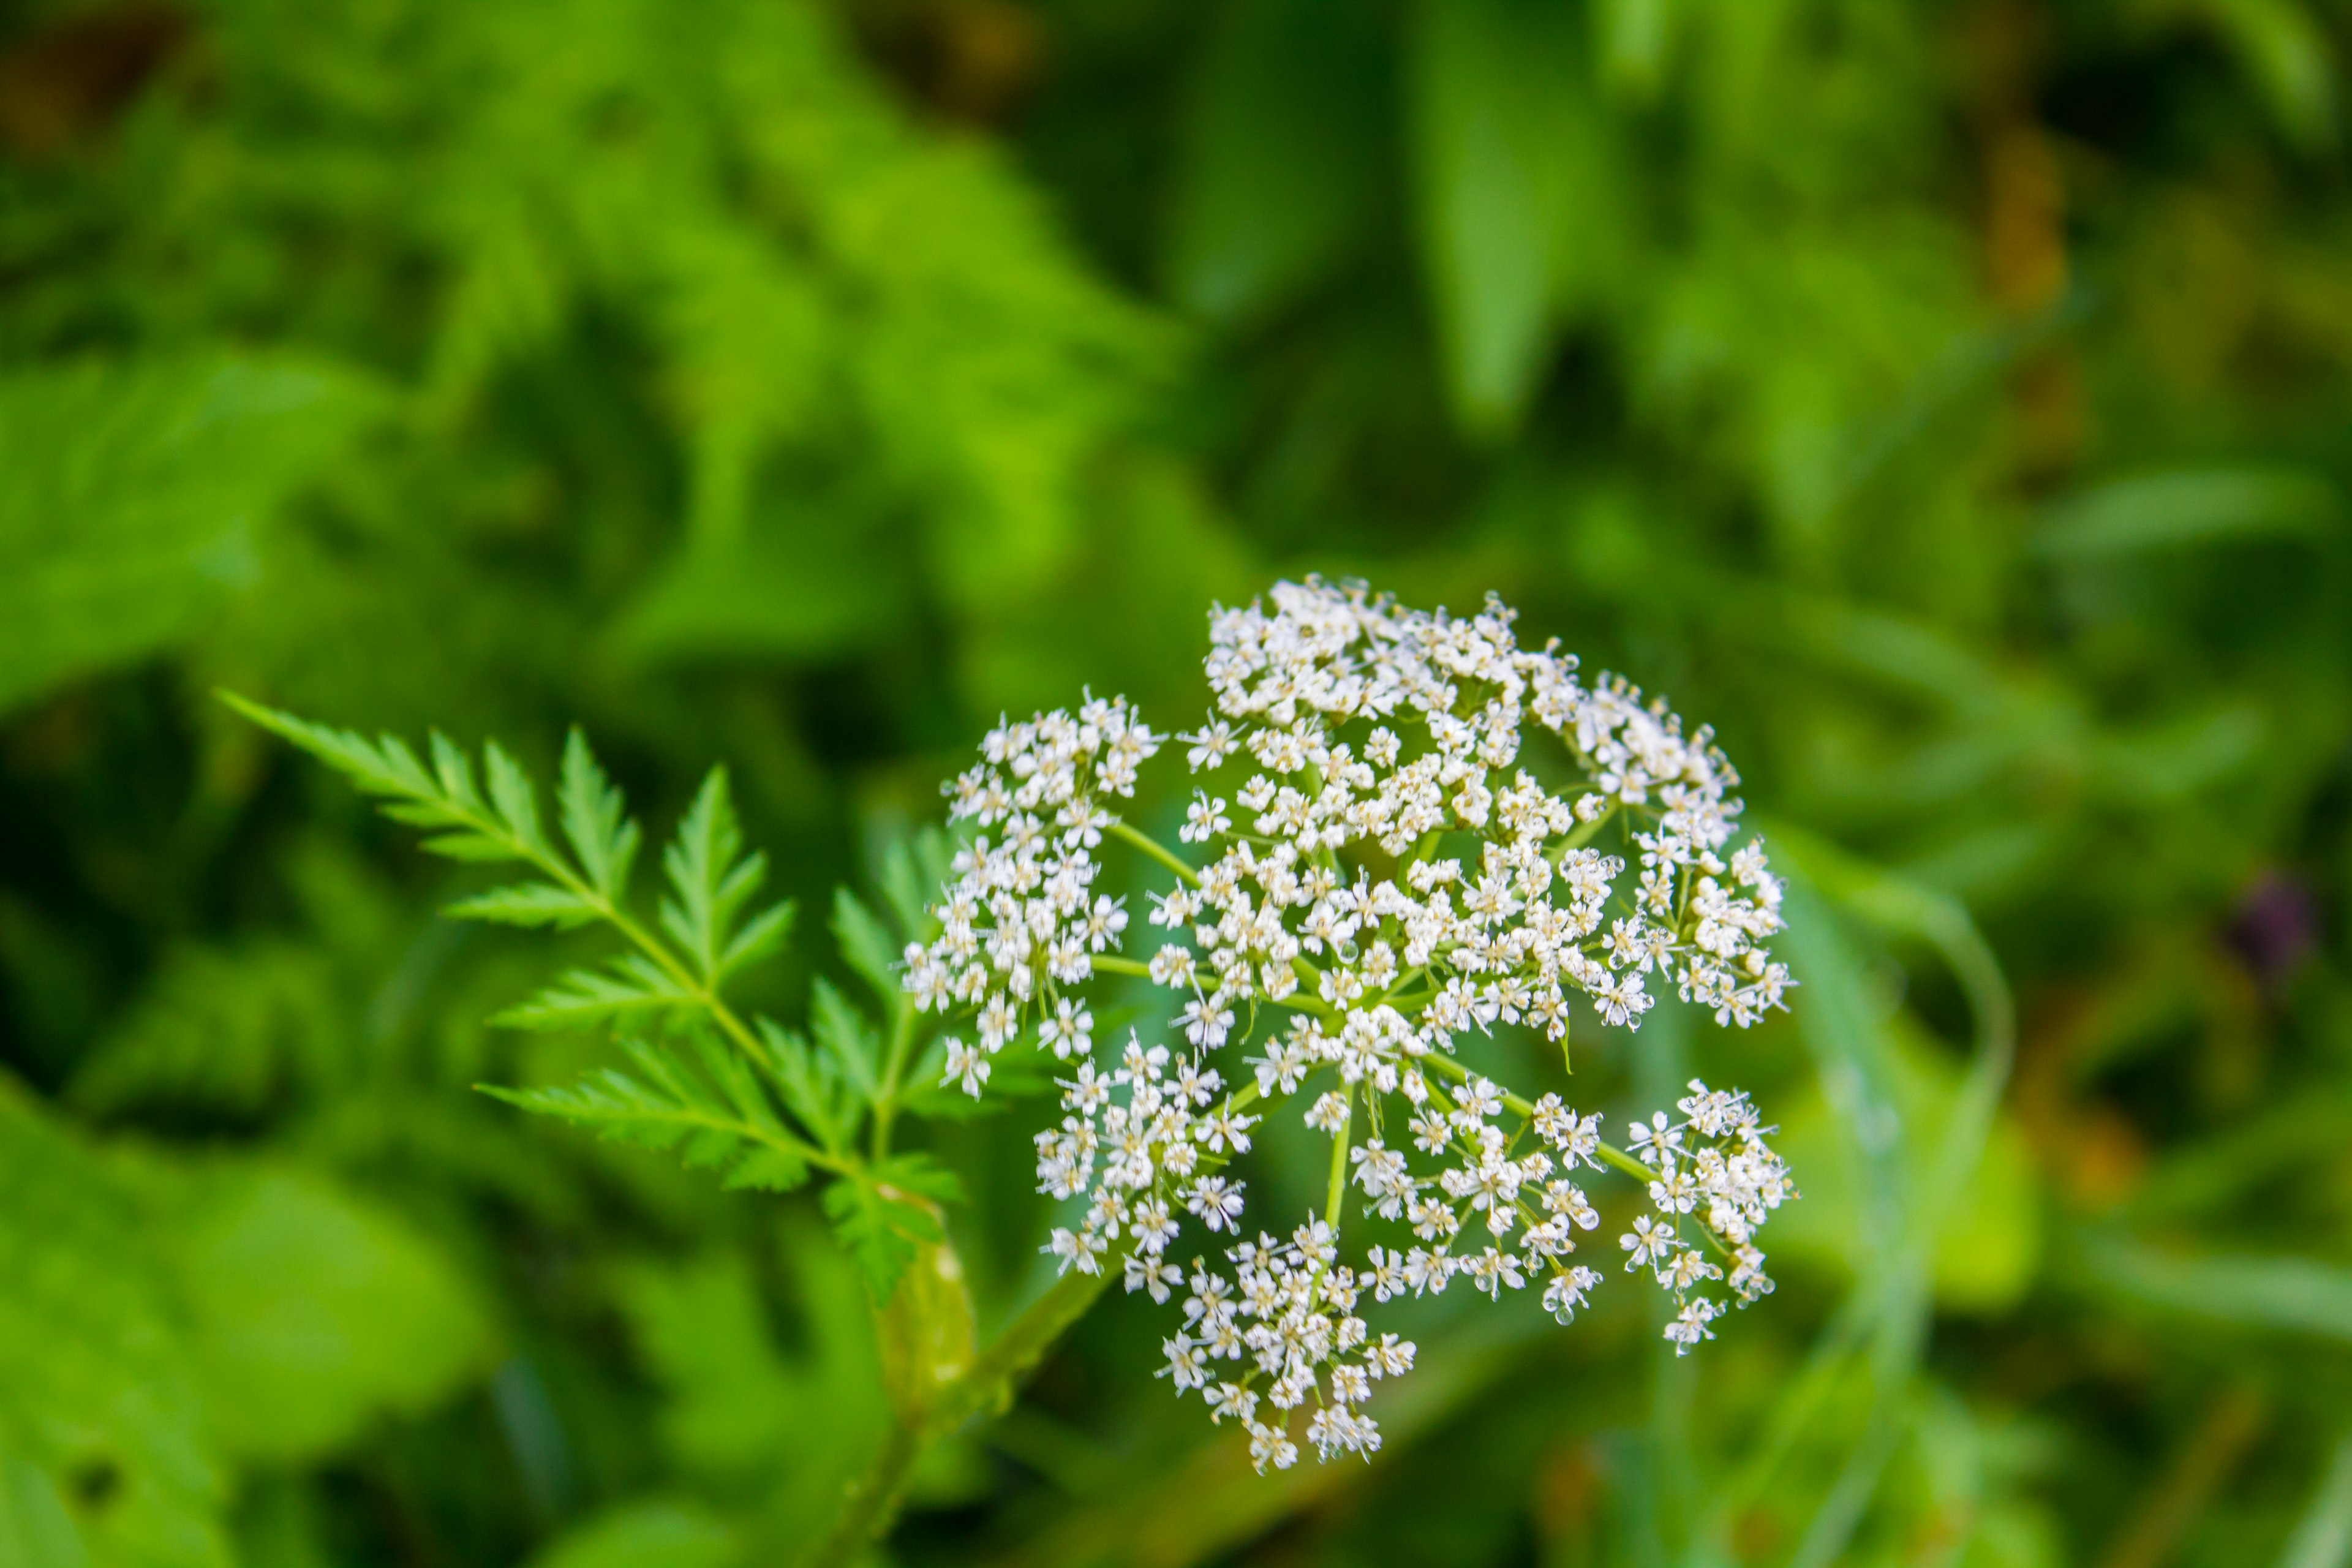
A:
990	1382
1339	1192
1157	850
893	1067
873	1499
987	1386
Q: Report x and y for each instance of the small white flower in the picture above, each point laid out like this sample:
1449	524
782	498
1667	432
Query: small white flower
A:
1069	1032
1328	1114
966	1066
1564	1294
1648	1243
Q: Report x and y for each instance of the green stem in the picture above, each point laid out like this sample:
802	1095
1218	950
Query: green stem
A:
1104	963
894	1069
873	1500
990	1383
1157	850
986	1388
1339	1192
1585	832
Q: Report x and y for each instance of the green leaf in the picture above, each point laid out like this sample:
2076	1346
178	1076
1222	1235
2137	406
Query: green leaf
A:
880	1232
647	1535
1511	199
914	868
526	904
516	802
311	1315
454	771
444	801
584	997
866	945
596	820
135	498
666	1105
2300	1296
2126	517
1283	152
94	1364
2323	1537
883	1215
810	1084
847	1039
742	1409
710	879
919	1174
762	937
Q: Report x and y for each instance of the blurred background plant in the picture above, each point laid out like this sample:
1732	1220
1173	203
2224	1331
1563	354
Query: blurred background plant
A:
1949	401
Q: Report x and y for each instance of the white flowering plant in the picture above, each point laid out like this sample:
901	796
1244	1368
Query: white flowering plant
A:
1380	871
1382	866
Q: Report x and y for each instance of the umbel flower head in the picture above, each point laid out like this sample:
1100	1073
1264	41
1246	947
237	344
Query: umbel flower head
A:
1379	872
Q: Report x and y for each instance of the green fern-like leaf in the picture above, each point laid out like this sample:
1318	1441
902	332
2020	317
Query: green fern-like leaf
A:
710	881
596	820
885	1213
866	944
847	1039
666	1104
625	988
527	904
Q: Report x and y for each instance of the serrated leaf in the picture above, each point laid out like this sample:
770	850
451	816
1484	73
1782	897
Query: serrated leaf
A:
443	800
525	904
516	802
384	768
847	1039
921	1174
709	884
880	1231
810	1084
453	770
767	1170
476	848
596	820
866	946
762	936
582	997
665	1105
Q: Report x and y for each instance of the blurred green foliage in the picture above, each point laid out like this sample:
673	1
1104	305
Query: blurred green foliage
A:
1948	400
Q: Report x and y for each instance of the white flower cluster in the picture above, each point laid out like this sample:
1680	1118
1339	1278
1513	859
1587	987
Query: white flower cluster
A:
1503	934
1714	1169
1392	874
1021	920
